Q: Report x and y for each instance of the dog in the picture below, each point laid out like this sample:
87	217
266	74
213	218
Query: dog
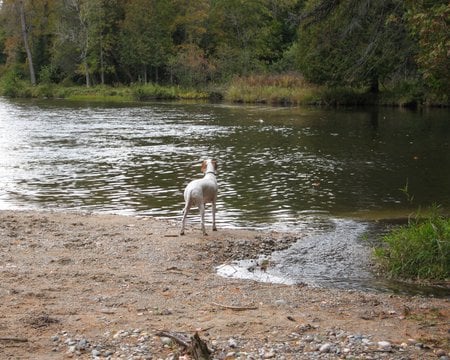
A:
200	192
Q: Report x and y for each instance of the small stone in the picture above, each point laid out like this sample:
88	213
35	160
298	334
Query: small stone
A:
82	344
55	338
270	354
280	302
440	352
96	353
325	348
385	345
232	343
166	340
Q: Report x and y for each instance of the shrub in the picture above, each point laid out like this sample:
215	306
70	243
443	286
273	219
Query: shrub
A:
419	250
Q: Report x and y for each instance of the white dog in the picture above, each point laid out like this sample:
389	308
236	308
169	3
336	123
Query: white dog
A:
200	192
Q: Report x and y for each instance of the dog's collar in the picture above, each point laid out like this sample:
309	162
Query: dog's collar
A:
210	172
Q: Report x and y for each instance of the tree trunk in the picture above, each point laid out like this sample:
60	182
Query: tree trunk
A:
374	86
25	42
88	77
102	70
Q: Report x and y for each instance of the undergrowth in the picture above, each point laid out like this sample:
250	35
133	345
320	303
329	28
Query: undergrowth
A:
419	250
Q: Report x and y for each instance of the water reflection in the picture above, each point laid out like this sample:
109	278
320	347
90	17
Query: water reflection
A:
275	163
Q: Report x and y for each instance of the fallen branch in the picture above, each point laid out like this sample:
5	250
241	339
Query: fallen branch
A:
194	345
13	339
179	338
235	308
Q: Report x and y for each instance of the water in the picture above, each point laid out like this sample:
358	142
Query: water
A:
279	168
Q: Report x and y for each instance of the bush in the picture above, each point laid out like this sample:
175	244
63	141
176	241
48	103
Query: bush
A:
419	250
12	84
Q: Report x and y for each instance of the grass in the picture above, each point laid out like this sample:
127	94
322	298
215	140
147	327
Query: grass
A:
288	89
418	251
17	88
282	89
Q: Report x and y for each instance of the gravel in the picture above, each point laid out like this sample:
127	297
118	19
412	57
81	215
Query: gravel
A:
138	344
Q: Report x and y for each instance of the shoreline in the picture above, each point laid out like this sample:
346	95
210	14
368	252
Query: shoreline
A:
77	285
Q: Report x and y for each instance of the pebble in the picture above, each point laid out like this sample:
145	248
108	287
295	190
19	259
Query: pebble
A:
96	353
318	344
232	343
384	345
325	348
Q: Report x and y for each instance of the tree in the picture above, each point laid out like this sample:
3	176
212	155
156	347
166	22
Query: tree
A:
26	42
244	33
429	22
350	42
146	37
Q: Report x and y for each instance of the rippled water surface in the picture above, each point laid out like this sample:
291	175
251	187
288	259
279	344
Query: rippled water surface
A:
279	168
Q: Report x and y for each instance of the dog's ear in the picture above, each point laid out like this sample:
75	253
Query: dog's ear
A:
203	166
214	162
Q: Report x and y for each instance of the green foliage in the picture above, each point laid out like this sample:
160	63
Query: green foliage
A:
13	85
345	96
405	93
285	89
398	46
357	43
429	22
155	91
419	251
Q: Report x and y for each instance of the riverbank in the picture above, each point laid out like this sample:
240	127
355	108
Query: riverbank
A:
274	90
80	285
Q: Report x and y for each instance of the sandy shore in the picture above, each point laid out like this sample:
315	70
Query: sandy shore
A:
96	286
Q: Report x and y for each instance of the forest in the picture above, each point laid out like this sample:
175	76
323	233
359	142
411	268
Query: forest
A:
372	47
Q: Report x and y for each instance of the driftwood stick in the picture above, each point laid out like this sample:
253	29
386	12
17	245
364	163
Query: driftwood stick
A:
179	338
235	308
14	339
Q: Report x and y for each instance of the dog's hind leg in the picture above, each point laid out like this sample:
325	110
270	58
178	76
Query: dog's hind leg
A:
201	207
214	215
183	221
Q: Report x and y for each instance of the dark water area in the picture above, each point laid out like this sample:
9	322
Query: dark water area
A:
289	169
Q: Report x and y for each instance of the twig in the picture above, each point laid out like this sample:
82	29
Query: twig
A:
13	339
235	308
180	338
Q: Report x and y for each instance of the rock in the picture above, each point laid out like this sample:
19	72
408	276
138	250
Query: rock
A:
280	302
232	343
325	348
166	340
96	353
384	345
82	344
269	354
440	352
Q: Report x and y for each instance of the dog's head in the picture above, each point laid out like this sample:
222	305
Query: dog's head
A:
205	163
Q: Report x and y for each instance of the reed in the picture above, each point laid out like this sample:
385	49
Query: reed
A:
419	250
287	89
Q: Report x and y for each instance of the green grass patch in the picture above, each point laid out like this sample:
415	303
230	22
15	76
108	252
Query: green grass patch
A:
288	89
419	250
13	86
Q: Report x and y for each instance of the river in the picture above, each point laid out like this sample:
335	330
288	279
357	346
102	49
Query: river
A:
280	168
